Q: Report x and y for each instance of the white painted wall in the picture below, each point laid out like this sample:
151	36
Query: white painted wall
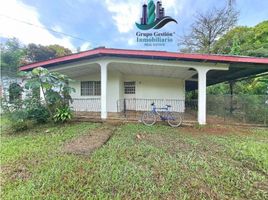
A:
81	103
146	88
162	91
113	93
113	90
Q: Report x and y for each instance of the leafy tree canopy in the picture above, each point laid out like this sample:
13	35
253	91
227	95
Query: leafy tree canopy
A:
255	86
15	54
12	51
249	41
39	52
59	50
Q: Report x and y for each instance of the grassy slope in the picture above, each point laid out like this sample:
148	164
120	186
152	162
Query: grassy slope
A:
166	164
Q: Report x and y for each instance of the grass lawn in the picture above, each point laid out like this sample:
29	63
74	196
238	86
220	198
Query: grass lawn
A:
162	163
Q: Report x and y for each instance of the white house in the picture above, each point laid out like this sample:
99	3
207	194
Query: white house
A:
104	77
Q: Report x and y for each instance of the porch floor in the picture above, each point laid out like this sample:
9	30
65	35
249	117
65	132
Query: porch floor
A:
129	116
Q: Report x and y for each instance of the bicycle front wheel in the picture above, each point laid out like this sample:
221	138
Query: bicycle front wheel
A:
148	118
174	120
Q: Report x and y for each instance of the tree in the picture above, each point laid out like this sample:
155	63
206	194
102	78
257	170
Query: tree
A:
12	51
246	41
207	28
251	41
36	53
59	50
53	85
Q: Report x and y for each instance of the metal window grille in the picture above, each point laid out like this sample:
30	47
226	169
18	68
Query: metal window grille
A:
90	88
130	87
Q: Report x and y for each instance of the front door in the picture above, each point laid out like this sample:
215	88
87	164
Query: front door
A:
130	95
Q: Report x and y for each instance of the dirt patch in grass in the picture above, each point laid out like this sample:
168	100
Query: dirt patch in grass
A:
216	130
86	144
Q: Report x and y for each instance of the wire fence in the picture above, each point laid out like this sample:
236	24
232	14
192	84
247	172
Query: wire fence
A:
243	109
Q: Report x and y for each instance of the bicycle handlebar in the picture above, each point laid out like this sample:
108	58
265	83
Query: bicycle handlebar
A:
168	106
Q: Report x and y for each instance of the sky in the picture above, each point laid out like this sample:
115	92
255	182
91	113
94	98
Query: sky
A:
109	23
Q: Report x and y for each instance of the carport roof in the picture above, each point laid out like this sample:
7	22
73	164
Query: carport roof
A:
240	66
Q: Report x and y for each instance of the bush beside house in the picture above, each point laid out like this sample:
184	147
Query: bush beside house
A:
52	104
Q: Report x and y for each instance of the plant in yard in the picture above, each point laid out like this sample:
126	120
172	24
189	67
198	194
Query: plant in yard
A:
36	110
18	118
54	87
63	114
15	91
33	109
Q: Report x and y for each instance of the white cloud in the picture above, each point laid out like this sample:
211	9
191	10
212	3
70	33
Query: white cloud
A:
85	46
124	13
131	42
173	7
24	32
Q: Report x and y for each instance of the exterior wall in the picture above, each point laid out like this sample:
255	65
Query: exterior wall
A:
146	88
113	90
77	85
85	103
81	103
162	91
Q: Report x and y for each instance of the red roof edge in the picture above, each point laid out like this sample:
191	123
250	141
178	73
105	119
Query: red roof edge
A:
145	53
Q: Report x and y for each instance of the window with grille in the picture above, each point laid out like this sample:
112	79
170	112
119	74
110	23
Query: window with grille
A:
90	88
130	87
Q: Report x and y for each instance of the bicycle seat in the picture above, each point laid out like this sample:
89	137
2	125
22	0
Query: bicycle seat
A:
152	104
169	106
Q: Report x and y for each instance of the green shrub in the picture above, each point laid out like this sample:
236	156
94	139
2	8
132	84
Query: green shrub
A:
19	120
36	111
23	113
19	126
55	103
63	114
39	114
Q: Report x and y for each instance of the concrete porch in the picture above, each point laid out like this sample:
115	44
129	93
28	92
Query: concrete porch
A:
154	79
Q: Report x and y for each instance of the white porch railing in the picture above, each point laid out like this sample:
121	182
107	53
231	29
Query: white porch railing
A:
86	105
145	104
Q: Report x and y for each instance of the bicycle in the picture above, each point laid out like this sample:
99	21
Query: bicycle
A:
149	118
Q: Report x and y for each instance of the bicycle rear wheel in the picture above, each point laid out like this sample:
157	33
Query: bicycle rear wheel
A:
174	120
148	118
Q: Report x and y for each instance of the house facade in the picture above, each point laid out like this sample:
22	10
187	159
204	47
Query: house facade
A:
125	86
103	78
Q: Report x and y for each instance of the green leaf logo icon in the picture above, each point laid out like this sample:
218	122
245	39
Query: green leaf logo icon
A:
151	12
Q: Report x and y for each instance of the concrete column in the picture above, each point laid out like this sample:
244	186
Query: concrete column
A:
202	95
103	90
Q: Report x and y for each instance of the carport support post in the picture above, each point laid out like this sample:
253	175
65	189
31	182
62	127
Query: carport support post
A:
202	95
103	66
